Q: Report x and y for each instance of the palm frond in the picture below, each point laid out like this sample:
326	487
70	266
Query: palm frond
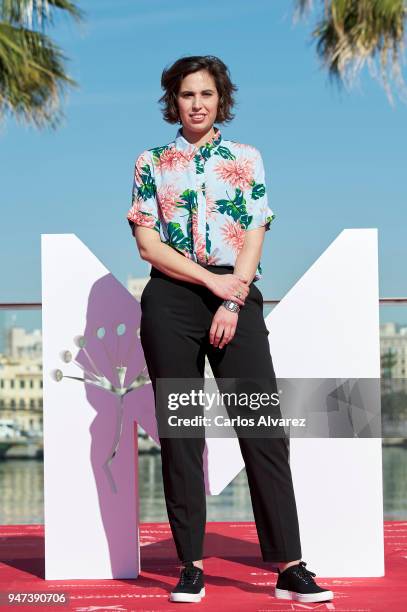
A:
353	33
32	76
304	6
36	14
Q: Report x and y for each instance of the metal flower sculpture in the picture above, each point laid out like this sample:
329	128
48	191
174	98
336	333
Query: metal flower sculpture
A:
93	376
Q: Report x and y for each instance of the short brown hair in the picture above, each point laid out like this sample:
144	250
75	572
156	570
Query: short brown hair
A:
171	81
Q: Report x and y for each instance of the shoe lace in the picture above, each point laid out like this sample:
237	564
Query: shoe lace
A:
189	574
304	573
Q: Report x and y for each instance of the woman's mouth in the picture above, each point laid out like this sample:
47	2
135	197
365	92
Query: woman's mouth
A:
197	117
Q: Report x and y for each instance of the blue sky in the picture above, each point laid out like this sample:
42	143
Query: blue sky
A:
333	160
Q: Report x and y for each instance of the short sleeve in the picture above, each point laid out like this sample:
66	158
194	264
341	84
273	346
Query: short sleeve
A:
144	209
257	201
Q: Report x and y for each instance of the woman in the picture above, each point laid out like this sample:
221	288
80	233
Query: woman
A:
199	214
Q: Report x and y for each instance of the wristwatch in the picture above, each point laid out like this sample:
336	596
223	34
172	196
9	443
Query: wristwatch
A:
231	306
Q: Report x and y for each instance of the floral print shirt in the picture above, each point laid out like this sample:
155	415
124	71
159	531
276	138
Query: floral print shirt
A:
203	199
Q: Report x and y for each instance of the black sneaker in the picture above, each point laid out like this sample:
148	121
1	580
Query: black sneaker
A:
296	582
190	586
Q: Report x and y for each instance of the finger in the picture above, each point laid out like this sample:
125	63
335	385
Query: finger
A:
244	290
237	296
241	292
212	332
218	335
242	296
227	337
224	339
236	299
241	284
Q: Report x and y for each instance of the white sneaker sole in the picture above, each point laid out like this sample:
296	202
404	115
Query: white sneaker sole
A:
303	597
188	597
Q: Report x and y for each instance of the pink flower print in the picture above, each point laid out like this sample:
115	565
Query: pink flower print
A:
233	235
139	218
199	241
189	153
167	197
194	223
200	248
214	258
172	159
210	205
237	172
142	160
135	207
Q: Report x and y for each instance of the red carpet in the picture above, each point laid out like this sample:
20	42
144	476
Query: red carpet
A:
236	580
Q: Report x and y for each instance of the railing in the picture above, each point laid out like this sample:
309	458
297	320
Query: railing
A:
38	305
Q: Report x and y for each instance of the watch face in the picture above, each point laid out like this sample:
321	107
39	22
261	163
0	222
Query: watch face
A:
231	306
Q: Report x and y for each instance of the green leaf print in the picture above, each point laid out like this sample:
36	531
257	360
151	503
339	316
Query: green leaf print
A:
258	191
206	151
157	152
147	189
239	199
208	242
199	167
176	237
225	153
236	209
188	200
245	220
228	207
189	236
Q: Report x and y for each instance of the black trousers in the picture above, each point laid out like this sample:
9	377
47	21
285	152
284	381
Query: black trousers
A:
174	332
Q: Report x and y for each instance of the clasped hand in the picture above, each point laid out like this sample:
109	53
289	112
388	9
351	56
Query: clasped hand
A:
224	322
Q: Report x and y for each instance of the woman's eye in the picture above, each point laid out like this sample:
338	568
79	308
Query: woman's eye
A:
188	95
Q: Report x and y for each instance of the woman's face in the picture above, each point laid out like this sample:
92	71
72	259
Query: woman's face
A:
198	101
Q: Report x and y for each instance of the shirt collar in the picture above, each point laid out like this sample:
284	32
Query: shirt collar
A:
182	144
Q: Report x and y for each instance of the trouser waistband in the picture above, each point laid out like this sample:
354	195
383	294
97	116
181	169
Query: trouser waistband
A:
155	273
